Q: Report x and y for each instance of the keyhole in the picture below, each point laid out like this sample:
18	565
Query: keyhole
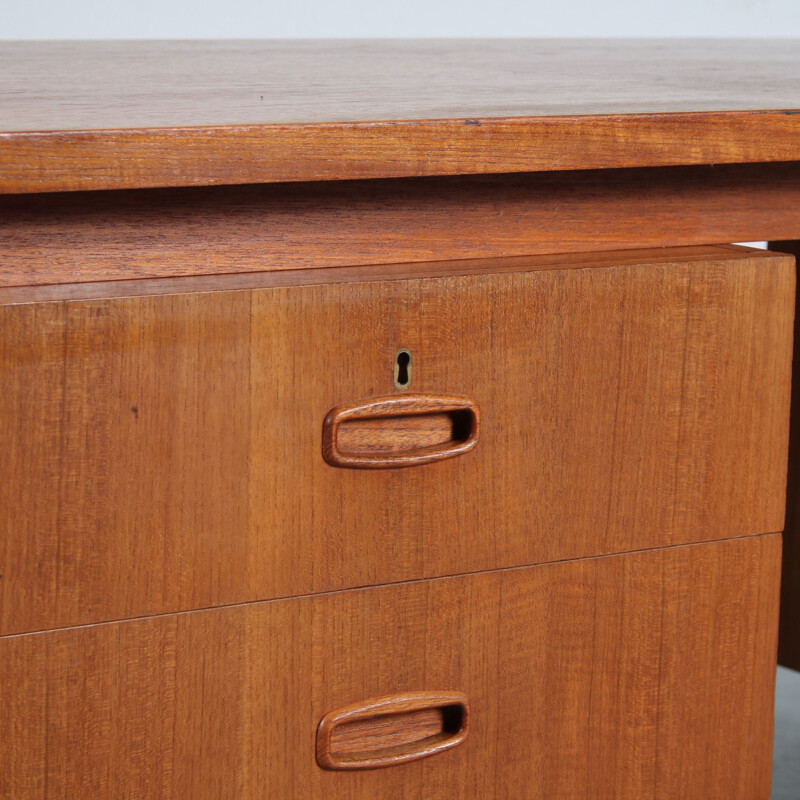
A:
402	369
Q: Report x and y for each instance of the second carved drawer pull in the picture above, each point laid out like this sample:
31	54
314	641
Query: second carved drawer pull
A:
392	730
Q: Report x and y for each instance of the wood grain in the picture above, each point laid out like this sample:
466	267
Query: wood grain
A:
393	730
118	235
631	677
789	652
203	284
67	86
388	435
95	115
164	453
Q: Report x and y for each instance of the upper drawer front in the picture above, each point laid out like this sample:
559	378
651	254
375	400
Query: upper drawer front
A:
633	677
161	453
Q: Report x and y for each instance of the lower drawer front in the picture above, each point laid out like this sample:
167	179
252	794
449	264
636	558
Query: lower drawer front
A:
635	676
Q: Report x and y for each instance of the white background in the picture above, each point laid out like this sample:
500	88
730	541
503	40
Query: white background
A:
168	19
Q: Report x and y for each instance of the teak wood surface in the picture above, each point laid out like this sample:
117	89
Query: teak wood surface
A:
163	453
112	115
603	677
98	236
387	273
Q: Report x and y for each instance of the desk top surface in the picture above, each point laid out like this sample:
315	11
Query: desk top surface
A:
84	115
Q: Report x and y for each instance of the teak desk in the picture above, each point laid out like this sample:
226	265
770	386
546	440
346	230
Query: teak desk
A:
395	419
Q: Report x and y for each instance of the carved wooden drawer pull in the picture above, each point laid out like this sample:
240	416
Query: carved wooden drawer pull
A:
400	431
392	730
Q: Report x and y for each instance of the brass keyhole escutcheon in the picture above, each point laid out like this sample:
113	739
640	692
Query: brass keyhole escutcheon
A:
402	369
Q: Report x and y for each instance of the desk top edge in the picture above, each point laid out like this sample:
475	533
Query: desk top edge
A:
132	114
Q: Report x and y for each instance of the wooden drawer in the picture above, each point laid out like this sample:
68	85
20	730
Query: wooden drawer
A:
163	451
596	678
